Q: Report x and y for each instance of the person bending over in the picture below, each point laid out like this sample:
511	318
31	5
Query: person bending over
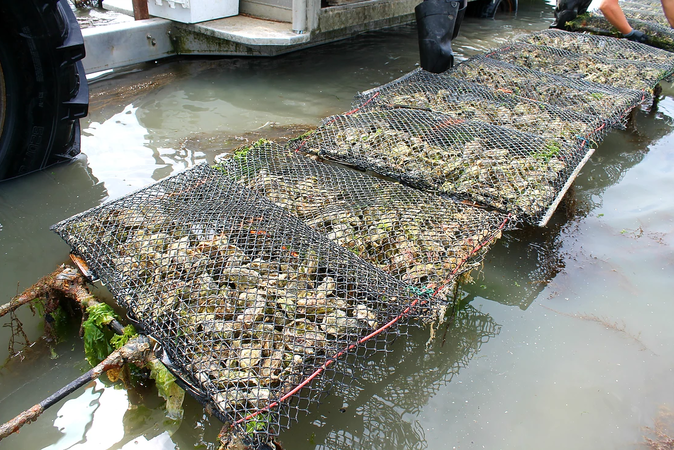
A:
614	14
567	10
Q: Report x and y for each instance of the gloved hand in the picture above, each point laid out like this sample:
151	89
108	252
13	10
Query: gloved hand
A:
636	36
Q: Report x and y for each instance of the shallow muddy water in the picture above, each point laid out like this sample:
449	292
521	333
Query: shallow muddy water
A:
562	341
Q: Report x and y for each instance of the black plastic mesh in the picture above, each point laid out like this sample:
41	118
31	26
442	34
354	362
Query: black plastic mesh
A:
513	172
469	101
422	239
659	33
245	299
613	72
601	101
602	46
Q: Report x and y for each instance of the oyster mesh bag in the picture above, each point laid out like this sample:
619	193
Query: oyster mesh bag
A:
613	72
251	306
602	101
469	101
648	7
517	173
648	15
419	238
660	35
603	47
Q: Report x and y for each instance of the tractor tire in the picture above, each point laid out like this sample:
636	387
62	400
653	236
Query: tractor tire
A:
43	87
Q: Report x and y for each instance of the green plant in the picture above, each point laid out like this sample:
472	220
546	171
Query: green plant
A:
167	389
119	340
258	423
552	149
97	336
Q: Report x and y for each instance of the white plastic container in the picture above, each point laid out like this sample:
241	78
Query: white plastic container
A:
193	11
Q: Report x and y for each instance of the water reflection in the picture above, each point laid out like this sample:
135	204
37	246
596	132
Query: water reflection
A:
102	142
91	420
533	256
613	158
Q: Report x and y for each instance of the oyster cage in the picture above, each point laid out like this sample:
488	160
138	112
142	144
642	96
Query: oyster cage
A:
602	101
419	238
660	35
469	101
656	16
645	7
613	72
251	306
513	172
602	46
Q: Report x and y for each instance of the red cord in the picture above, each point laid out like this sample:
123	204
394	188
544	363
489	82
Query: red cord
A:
368	337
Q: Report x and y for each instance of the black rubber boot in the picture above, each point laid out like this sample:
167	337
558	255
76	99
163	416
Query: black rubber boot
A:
438	22
568	10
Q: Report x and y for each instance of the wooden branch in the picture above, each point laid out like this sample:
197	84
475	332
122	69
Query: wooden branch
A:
136	351
65	281
38	290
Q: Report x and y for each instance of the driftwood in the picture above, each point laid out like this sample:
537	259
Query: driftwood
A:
38	290
135	351
68	282
64	282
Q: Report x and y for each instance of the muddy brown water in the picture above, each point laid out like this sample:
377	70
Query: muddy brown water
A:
563	340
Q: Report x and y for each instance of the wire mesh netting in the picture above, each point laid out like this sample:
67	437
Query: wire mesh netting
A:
396	386
276	276
648	7
613	72
601	101
422	239
649	15
469	101
602	46
513	172
659	35
246	300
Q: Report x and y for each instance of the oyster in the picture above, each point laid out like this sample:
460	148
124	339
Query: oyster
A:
660	33
419	238
243	306
613	72
602	46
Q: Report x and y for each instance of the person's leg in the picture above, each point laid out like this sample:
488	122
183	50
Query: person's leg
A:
668	8
613	13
